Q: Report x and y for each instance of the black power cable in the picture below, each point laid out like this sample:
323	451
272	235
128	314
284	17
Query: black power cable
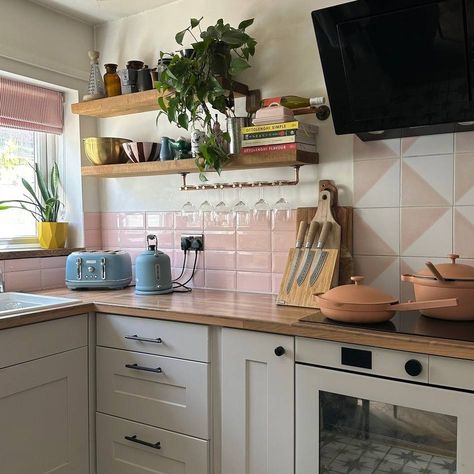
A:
186	289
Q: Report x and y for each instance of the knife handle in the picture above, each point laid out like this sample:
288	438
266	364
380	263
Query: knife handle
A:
313	229
301	232
324	234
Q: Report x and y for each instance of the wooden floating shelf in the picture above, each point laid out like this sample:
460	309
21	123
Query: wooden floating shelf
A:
272	159
138	102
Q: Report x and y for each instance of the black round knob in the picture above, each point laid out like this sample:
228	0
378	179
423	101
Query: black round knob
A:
279	351
413	367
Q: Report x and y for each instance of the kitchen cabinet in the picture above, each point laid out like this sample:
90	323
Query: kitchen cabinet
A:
44	402
257	403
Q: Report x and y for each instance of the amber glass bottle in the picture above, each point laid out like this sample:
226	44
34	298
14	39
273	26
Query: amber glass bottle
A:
112	81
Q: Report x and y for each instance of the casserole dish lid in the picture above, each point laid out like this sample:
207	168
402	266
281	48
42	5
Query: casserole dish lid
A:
450	271
357	294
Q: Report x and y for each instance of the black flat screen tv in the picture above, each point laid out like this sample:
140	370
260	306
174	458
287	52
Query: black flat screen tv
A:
398	67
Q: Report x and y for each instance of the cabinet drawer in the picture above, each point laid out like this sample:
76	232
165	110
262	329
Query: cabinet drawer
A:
168	338
175	397
31	342
450	372
176	454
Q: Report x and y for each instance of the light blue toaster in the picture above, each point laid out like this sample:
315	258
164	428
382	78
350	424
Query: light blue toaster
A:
95	269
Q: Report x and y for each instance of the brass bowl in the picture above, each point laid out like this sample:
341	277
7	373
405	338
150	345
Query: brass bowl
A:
105	150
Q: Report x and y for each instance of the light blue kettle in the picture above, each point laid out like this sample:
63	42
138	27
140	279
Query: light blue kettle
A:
153	270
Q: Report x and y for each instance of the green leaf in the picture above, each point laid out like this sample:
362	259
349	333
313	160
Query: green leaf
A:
245	24
41	184
179	37
234	38
31	191
55	181
238	65
195	22
183	121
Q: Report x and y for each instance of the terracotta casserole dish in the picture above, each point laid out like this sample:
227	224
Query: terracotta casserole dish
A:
446	280
359	303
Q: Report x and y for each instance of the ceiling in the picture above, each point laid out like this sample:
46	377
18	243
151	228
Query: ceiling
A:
99	11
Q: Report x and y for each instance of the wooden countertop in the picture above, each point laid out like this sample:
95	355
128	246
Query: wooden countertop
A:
239	310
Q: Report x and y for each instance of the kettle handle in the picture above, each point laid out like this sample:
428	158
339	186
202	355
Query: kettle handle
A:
149	239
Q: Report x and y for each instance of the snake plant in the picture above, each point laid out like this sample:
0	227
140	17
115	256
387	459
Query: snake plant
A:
43	205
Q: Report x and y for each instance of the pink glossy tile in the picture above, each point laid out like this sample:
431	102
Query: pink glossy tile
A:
132	239
192	220
159	220
380	272
92	220
110	220
219	221
377	183
2	266
179	258
276	282
254	282
256	220
376	231
284	220
279	261
111	239
427	180
378	149
23	280
198	280
166	238
53	262
52	278
283	240
220	260
464	231
463	179
253	240
428	145
131	220
220	279
22	264
92	238
426	231
465	142
224	240
254	261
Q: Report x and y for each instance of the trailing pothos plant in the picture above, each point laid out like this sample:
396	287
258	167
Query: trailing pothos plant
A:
43	205
193	90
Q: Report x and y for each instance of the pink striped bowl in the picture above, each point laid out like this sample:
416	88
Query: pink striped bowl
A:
139	152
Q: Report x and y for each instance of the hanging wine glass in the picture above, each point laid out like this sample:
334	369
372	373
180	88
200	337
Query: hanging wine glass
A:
188	208
282	208
205	206
221	206
222	217
261	204
240	209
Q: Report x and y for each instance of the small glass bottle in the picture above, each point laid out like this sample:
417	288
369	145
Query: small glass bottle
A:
112	81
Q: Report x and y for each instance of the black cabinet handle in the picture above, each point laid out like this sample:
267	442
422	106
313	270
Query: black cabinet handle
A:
279	351
413	367
158	340
145	369
134	439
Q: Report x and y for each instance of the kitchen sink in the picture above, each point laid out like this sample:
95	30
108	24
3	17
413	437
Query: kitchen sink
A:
12	303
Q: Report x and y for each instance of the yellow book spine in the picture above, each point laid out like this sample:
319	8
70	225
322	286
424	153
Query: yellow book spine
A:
271	127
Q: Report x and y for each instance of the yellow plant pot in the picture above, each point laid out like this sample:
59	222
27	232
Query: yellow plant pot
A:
52	235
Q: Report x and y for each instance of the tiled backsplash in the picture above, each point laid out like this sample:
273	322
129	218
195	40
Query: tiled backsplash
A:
414	201
245	252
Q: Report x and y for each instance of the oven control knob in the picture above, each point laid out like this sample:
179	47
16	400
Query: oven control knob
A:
413	367
279	351
90	269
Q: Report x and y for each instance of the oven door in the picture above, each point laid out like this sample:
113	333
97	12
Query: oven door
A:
351	423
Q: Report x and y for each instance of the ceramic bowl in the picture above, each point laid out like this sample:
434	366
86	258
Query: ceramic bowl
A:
139	152
105	150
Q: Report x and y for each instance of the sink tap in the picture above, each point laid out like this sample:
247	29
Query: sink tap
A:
2	283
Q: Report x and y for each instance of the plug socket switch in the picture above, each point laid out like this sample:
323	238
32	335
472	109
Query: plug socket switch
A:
192	242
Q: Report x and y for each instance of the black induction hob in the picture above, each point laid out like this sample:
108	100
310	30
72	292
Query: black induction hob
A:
410	323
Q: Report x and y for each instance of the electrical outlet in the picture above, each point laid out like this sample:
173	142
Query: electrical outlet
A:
192	242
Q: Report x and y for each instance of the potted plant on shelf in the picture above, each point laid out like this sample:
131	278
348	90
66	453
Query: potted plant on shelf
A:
44	206
218	51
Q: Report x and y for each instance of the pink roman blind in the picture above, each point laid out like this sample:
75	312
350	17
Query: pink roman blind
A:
30	107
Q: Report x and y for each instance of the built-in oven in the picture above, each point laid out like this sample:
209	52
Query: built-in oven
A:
364	410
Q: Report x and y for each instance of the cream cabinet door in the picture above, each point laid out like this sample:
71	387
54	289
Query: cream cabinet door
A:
125	447
44	415
257	403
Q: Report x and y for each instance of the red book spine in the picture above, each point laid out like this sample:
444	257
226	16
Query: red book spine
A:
257	149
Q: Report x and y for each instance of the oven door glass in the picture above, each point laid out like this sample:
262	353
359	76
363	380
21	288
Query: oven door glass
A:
350	423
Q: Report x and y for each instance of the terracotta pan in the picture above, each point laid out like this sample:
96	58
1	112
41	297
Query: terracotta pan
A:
366	305
445	280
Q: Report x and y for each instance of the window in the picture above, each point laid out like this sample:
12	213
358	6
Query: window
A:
19	150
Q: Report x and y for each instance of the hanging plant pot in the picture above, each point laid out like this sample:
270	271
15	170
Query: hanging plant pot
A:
220	61
52	235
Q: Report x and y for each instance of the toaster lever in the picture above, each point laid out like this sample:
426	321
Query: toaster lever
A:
79	268
102	268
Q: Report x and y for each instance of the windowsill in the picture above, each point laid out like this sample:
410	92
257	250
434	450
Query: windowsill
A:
35	253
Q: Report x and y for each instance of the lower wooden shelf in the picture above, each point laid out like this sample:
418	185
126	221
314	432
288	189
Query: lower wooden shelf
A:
272	159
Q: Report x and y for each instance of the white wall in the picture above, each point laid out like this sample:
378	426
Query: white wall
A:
46	48
286	62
